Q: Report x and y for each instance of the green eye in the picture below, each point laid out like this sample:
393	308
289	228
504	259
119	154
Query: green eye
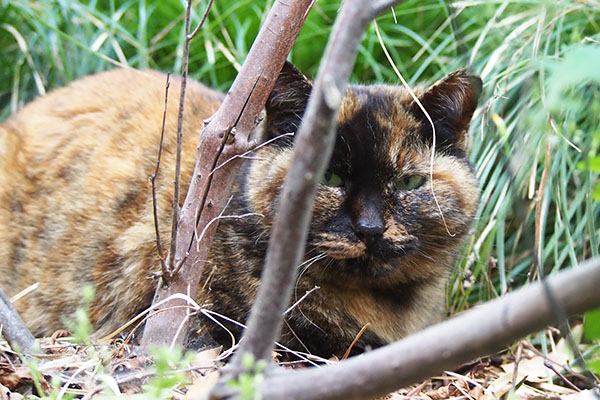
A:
332	180
409	182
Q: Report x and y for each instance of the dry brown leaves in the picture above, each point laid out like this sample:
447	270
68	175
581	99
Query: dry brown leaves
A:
522	372
90	372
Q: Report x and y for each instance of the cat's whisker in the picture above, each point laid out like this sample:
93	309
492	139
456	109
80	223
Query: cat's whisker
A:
220	217
308	292
305	265
243	155
328	263
287	324
254	158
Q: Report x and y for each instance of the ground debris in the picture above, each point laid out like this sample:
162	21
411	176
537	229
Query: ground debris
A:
114	369
91	371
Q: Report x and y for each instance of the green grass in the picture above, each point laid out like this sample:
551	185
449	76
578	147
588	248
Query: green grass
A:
525	51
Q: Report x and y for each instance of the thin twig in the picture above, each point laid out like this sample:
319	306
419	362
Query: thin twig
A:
301	299
177	183
298	354
516	369
548	364
433	133
360	333
195	32
220	217
163	264
245	154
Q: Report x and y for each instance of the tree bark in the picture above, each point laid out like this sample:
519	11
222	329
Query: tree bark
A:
13	328
229	132
475	333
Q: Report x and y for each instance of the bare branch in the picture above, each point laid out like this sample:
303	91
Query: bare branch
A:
314	144
13	328
446	345
377	7
230	132
177	183
195	32
163	264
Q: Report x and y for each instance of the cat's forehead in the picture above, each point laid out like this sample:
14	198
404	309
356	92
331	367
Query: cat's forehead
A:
375	125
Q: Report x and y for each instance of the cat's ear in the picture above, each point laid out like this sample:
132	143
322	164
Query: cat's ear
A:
287	101
450	103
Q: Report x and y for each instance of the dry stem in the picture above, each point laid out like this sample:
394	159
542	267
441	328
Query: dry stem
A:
163	264
177	183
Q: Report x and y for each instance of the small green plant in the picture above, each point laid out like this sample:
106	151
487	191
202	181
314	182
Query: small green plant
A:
82	330
81	326
591	333
250	379
169	372
32	365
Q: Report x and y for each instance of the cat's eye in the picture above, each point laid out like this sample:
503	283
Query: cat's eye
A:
332	180
409	182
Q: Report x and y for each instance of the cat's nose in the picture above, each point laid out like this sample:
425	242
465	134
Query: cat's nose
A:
367	222
369	230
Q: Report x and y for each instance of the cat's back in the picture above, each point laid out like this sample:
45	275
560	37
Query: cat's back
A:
75	202
119	106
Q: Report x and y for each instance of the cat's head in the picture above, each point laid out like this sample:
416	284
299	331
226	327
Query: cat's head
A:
389	199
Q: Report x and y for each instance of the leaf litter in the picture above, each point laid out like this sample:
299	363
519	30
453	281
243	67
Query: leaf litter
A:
67	370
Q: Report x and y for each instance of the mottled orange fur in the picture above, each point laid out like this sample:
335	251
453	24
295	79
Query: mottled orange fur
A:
75	206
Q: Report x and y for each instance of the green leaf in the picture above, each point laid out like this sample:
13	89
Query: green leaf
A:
594	365
591	325
596	193
577	68
593	164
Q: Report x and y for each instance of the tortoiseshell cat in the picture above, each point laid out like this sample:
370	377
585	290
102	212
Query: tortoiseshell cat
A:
75	206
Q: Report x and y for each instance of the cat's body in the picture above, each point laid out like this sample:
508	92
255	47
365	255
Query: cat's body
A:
76	208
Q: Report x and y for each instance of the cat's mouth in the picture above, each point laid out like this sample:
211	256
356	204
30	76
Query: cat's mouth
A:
339	249
343	248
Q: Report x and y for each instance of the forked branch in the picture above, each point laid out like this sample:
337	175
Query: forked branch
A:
228	134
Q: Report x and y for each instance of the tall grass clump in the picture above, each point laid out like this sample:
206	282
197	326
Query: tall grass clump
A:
535	137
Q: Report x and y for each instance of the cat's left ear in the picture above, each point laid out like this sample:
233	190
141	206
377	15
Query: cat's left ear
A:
287	101
450	103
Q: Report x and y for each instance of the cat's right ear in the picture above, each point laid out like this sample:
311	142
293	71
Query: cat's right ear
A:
287	101
450	104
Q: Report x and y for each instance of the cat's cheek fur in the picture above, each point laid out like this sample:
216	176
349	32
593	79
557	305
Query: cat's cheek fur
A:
455	183
264	180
